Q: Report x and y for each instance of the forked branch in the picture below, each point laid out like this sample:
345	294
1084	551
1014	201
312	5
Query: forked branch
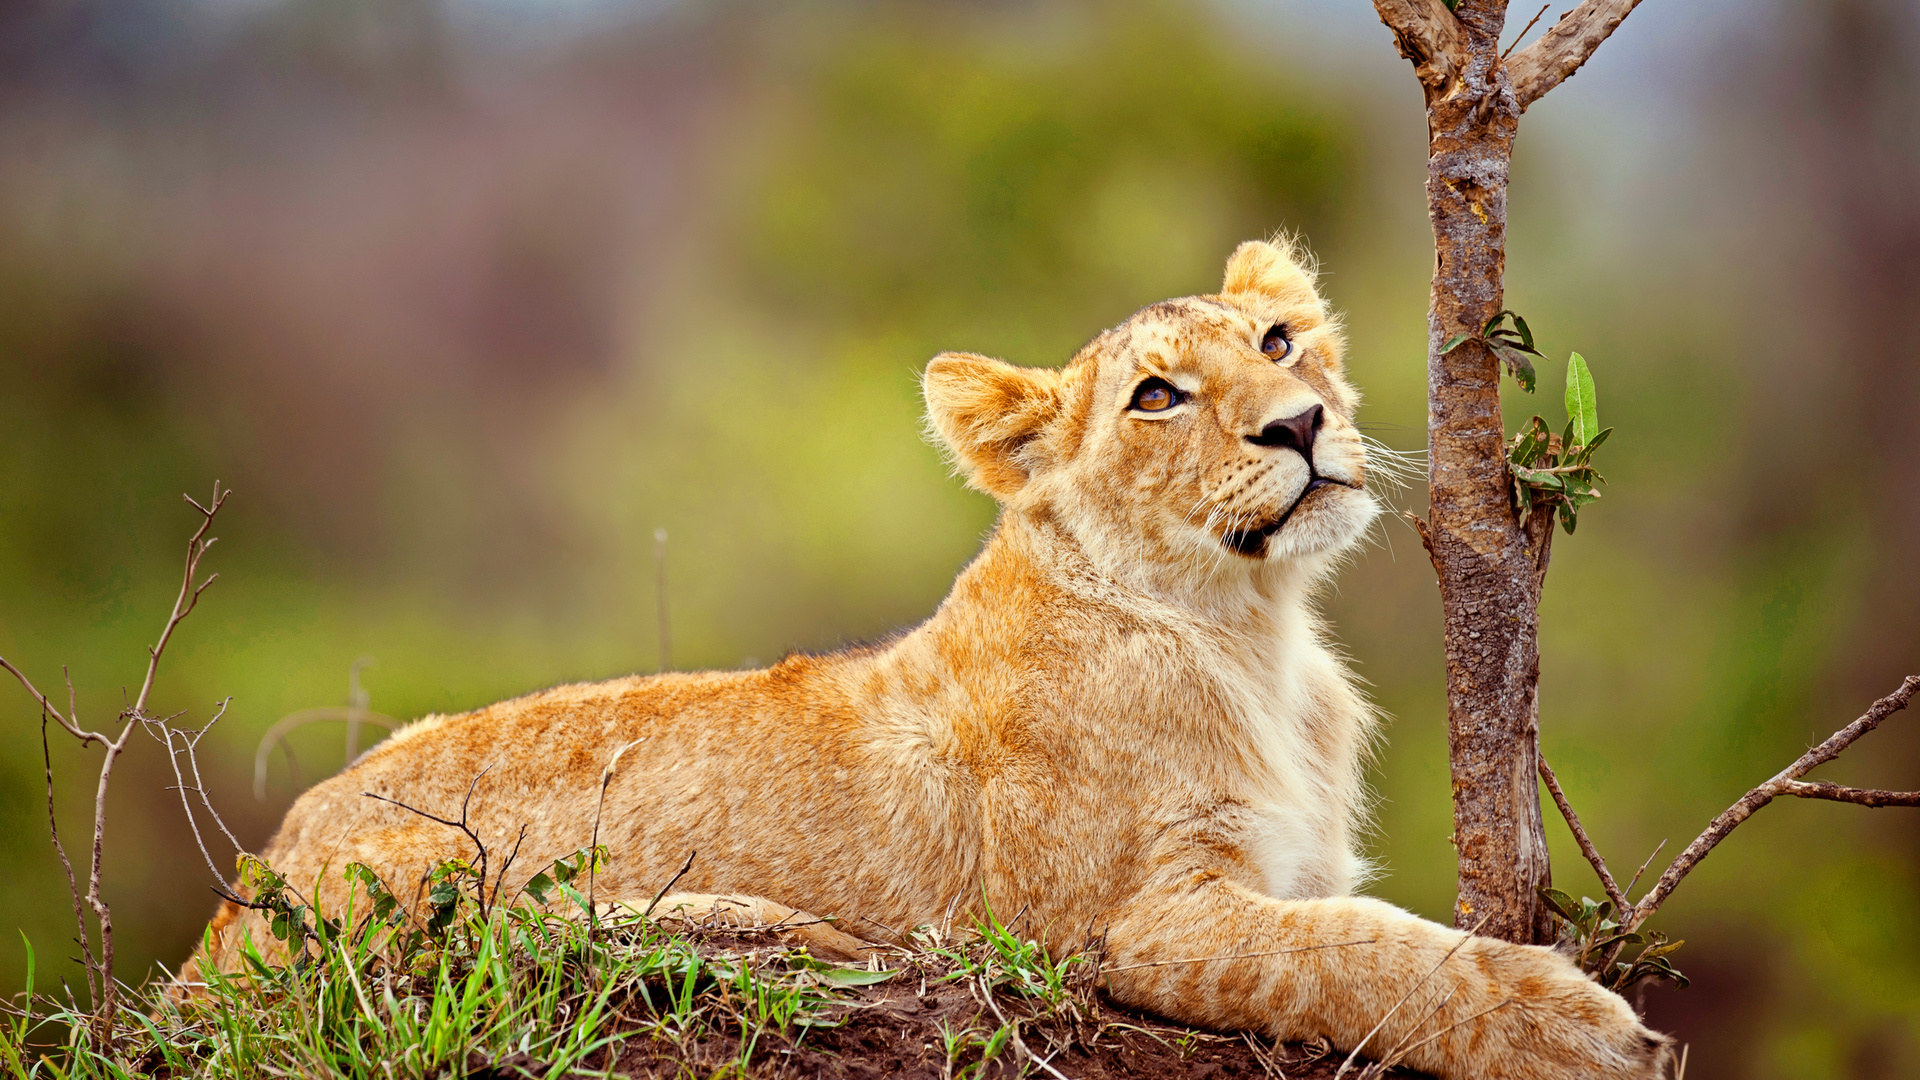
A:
1580	836
1786	782
1426	33
1560	51
97	952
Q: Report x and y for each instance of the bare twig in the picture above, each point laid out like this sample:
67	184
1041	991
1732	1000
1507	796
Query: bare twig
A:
1560	51
1820	789
480	890
1013	1031
1457	1023
500	878
1580	835
1522	35
1400	1049
1783	783
1426	33
100	981
188	745
183	604
1411	990
593	846
671	882
1637	874
73	886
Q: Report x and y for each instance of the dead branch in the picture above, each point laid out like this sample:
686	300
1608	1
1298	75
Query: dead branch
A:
1786	782
1783	783
1522	35
1400	1049
1560	51
1640	873
184	604
480	847
1580	836
671	882
1820	789
593	845
1457	1023
100	981
1426	33
500	879
73	886
188	745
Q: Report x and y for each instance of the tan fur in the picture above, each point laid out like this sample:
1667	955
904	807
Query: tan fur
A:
1115	724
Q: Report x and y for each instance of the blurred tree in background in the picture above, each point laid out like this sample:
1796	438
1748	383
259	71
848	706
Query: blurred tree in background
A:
465	299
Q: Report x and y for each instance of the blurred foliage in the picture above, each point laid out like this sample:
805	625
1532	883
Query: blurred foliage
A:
410	297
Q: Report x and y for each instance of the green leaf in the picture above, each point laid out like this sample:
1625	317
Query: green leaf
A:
1583	411
539	887
1560	902
1518	364
1455	342
856	976
1531	443
1526	335
1662	949
1539	478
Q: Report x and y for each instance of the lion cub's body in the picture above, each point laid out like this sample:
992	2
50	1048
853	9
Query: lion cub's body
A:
1122	721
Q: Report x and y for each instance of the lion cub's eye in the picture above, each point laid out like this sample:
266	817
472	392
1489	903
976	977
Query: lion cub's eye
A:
1157	395
1276	345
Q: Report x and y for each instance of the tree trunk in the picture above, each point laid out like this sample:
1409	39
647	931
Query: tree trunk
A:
1490	567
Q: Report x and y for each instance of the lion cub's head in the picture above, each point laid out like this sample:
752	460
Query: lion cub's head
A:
1211	434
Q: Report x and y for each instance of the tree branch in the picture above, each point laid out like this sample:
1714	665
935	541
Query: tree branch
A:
1785	782
189	592
1580	836
1820	789
1560	51
1426	33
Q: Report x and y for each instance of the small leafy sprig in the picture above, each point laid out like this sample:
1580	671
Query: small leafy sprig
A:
1512	344
1594	931
1556	472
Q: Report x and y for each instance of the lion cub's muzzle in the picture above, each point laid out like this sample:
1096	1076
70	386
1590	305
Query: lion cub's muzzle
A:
1297	433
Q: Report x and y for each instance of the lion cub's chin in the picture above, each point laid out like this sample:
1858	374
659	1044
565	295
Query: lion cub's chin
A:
1326	522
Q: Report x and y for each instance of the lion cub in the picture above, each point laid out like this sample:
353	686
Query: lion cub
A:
1123	721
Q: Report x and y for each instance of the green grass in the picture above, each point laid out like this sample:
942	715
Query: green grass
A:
466	984
542	984
382	993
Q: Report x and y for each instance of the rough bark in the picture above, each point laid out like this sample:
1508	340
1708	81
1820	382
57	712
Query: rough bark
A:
1490	567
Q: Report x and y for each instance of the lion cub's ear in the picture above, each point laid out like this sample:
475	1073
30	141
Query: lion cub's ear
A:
1275	273
990	414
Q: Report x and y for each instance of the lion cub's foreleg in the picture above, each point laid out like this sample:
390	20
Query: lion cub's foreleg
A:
1299	970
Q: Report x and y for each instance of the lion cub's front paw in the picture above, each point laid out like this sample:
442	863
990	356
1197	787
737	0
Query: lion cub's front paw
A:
1563	1024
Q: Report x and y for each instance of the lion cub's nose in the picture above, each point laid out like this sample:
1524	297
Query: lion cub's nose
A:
1294	431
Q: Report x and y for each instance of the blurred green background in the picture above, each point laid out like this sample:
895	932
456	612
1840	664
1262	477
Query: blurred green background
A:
465	298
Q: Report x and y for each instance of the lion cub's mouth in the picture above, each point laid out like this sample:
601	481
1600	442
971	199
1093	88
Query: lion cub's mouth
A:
1252	542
